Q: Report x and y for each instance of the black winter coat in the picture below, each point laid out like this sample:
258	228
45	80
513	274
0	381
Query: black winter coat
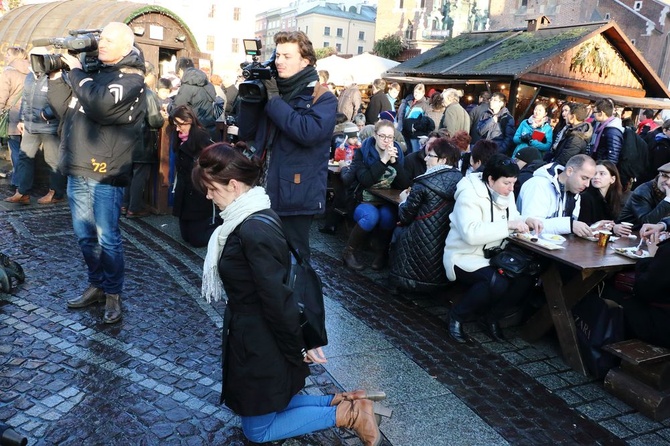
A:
574	142
190	204
593	207
415	163
379	102
262	364
198	93
416	262
645	205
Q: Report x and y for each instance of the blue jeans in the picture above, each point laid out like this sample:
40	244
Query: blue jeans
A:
96	209
303	415
368	216
14	143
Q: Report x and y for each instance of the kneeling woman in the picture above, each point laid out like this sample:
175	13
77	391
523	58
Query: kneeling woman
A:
416	259
484	215
265	362
377	164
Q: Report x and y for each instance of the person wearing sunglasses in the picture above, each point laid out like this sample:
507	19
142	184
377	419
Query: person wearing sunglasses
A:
483	217
379	163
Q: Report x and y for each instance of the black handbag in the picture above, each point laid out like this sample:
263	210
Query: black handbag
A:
307	291
514	262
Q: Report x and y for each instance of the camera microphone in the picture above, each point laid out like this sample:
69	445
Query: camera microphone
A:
42	42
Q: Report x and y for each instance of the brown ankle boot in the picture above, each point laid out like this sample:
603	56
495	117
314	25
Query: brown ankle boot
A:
359	416
360	394
349	259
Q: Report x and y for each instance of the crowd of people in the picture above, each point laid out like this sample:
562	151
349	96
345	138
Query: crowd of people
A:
467	177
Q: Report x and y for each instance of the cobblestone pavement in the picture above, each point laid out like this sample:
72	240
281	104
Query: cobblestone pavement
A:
153	379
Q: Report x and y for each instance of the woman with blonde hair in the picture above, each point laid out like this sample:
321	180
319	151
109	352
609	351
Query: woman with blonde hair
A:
455	118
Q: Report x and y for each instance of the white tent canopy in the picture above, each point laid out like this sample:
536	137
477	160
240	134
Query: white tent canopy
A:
364	68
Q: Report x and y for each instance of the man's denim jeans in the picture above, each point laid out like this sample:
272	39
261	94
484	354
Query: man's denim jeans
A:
96	209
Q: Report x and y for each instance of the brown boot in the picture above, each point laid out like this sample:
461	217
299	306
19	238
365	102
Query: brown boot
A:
356	238
359	394
18	198
49	198
382	255
359	416
112	309
91	296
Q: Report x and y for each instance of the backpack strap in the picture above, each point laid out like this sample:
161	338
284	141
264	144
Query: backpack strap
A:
276	225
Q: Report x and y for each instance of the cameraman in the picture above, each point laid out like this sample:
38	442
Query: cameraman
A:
102	114
293	137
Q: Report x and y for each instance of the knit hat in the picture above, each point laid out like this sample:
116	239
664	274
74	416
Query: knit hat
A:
528	154
351	130
388	115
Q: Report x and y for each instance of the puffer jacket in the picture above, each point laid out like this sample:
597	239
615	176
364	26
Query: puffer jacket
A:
610	143
35	107
476	223
416	263
103	119
198	93
11	85
645	205
541	197
575	141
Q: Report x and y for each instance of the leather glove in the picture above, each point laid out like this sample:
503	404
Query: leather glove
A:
525	138
271	88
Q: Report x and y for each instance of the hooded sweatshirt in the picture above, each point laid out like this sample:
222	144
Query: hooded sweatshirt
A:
544	197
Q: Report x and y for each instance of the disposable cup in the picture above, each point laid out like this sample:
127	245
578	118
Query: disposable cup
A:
603	238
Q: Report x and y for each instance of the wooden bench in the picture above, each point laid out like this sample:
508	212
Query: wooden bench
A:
643	379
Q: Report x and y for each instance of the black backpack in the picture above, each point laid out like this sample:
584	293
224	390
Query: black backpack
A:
633	159
307	290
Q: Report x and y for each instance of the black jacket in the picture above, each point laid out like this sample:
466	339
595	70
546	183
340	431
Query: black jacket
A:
525	174
416	264
415	163
262	364
190	204
645	205
574	142
197	92
593	207
379	102
103	120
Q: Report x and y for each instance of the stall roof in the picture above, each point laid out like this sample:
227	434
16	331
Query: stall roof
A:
54	19
546	56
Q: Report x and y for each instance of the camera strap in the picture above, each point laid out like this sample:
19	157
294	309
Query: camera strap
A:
506	212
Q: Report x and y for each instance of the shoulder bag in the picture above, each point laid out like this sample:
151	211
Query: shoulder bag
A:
4	117
307	291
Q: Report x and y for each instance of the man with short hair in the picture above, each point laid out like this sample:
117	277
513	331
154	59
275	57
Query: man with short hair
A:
11	86
552	195
197	92
102	112
607	137
293	136
379	102
650	201
576	136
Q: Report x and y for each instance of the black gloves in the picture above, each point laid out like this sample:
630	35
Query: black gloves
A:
271	88
526	137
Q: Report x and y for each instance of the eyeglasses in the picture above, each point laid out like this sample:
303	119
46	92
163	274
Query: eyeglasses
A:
385	137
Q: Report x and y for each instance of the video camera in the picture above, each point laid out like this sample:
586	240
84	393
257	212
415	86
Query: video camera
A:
82	43
252	89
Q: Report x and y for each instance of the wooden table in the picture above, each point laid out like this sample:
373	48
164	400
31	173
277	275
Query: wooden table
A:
390	195
593	264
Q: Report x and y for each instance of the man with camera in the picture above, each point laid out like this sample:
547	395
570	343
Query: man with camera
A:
102	113
293	135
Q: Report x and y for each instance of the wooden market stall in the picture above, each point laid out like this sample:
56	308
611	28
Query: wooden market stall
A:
579	62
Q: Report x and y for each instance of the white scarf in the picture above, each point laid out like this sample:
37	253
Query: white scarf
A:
254	200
